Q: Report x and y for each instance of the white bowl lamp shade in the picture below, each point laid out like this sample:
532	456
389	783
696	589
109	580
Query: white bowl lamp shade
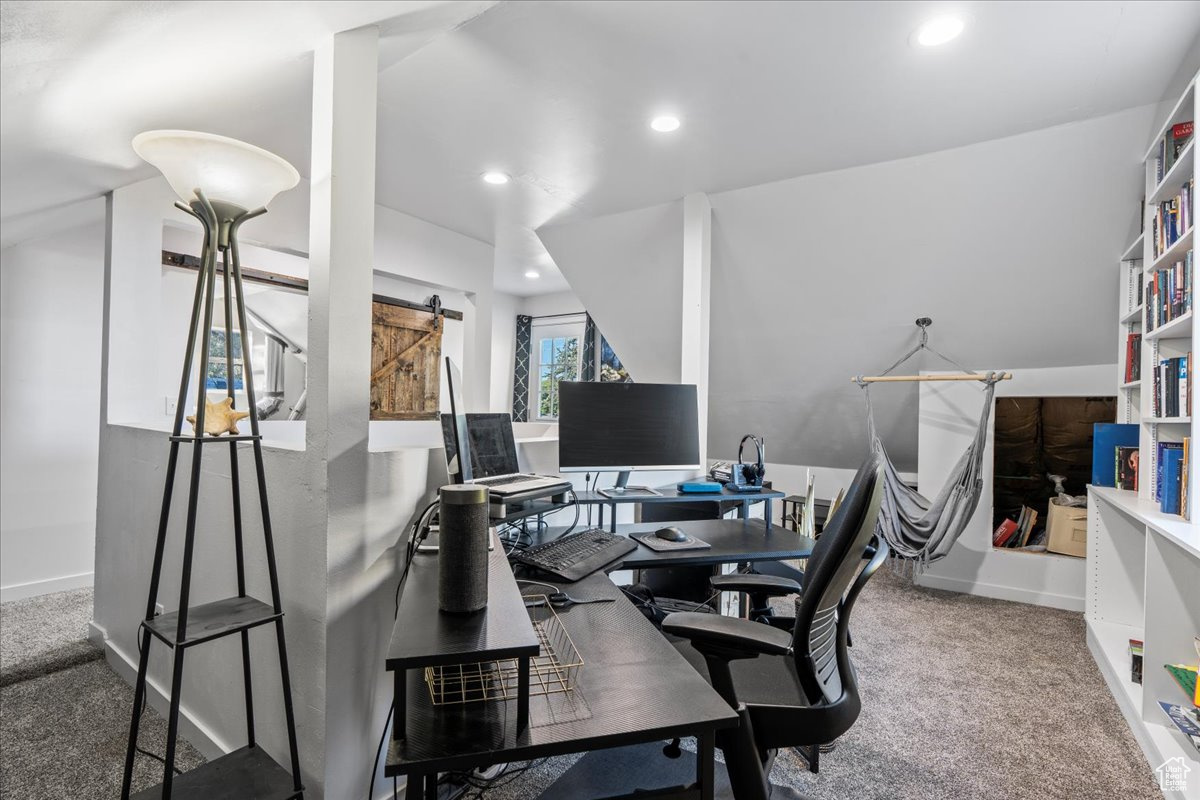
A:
226	170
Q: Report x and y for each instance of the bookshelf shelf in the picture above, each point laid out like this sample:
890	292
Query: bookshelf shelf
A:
1180	328
1112	641
1175	252
1131	385
1169	420
1179	174
1134	251
1143	567
1135	315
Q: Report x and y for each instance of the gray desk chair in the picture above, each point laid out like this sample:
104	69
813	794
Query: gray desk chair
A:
791	688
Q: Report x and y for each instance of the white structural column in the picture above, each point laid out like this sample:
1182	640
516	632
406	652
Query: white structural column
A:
695	299
341	255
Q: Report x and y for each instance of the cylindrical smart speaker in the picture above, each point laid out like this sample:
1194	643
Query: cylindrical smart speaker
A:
463	548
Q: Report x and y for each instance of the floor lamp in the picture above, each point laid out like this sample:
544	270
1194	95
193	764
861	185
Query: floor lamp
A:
222	183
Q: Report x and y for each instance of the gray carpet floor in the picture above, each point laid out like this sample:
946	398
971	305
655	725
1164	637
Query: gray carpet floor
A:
44	634
64	714
963	698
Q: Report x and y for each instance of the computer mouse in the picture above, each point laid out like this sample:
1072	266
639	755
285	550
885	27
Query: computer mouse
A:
671	534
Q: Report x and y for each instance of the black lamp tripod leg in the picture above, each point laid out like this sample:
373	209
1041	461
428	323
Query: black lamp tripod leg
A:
268	537
164	517
189	541
235	486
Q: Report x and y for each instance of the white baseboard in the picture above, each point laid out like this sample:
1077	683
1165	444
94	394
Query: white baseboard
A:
19	591
195	732
1015	594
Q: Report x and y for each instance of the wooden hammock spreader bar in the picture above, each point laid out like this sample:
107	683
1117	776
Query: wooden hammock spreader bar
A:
1002	376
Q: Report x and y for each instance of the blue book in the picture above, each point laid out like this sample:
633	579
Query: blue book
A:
1106	438
1163	449
1170	470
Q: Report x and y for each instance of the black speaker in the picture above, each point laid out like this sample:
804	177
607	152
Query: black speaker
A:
463	548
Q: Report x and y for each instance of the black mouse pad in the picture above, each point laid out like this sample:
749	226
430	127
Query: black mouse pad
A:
663	546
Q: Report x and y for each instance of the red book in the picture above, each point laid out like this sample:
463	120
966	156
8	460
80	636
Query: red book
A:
1003	533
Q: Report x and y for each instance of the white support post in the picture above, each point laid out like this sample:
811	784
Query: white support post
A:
341	260
696	287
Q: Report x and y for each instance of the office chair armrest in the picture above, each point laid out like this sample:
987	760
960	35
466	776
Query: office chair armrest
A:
769	585
728	636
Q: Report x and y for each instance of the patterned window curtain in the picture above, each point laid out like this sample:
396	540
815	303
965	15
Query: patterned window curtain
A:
588	370
521	368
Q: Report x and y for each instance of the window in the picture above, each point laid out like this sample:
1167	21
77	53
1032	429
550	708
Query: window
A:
556	353
217	377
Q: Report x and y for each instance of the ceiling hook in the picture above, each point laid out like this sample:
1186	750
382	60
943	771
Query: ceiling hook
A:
923	323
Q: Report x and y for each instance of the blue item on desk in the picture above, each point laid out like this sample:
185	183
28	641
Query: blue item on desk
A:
700	487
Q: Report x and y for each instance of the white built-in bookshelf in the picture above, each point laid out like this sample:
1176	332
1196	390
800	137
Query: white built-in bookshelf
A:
1143	566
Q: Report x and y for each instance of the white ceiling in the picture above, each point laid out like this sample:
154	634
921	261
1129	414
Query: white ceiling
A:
559	94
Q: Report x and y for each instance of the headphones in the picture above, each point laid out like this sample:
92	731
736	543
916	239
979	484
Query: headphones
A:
750	474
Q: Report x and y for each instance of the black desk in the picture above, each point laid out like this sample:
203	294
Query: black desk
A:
425	637
734	541
633	687
671	494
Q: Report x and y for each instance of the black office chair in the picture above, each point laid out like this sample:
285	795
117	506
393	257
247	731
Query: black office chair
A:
797	688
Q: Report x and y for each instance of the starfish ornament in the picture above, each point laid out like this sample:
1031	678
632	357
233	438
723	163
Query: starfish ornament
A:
220	417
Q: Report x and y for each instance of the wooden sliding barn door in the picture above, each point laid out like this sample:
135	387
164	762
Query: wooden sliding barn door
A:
406	349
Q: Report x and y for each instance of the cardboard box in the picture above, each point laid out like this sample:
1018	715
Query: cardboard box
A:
1066	530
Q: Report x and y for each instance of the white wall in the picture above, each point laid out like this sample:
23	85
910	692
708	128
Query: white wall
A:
627	270
504	343
549	305
1005	244
50	326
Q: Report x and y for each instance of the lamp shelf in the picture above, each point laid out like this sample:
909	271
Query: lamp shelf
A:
213	620
190	439
247	772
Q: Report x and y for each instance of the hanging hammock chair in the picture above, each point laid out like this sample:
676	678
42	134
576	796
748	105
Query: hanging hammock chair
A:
916	528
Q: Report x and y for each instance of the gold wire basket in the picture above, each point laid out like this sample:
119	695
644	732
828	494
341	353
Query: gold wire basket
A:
553	671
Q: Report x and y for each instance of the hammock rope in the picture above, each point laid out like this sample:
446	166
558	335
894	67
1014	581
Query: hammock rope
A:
918	529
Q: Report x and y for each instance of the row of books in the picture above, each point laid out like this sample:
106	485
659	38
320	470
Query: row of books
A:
1169	148
1171	479
1172	388
1019	533
1172	219
1133	357
1168	293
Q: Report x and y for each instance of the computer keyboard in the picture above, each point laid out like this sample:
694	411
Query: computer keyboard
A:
505	480
577	555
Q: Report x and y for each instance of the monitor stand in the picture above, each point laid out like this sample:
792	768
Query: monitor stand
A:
622	489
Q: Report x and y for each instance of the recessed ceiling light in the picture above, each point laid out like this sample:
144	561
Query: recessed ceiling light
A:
495	178
665	124
939	31
532	273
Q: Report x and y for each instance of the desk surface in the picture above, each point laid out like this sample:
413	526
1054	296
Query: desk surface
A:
633	687
671	494
424	636
733	541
